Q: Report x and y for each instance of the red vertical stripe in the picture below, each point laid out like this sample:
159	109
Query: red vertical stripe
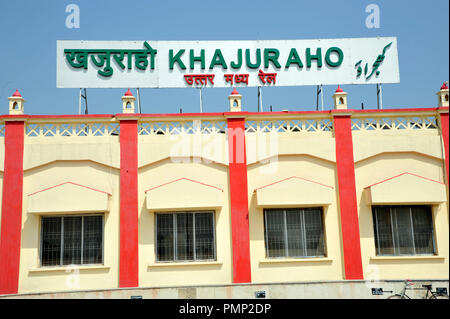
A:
129	259
239	200
444	129
11	208
347	197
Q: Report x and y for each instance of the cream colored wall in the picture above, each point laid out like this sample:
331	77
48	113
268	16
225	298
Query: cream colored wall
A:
52	167
95	162
209	147
154	172
263	146
370	144
190	194
318	167
294	192
406	188
422	158
39	151
68	198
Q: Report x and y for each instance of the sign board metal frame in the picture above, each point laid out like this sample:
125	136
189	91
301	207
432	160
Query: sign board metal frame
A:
259	63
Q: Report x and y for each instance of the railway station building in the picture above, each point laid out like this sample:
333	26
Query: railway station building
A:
223	204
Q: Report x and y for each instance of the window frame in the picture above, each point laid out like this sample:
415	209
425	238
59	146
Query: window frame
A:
60	264
285	233
174	234
430	209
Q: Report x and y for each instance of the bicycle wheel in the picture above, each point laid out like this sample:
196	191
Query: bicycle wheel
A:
397	297
439	297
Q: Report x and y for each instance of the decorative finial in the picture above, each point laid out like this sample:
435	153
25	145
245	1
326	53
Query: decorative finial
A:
17	93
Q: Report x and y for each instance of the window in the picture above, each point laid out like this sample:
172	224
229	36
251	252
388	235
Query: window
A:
69	240
403	230
294	232
187	236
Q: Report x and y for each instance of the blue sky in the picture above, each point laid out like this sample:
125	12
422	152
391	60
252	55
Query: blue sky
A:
29	30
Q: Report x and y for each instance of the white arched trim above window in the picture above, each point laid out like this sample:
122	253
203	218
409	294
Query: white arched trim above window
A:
68	197
184	193
406	188
294	192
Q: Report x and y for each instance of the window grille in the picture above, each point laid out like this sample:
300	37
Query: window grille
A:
67	240
185	236
294	232
403	230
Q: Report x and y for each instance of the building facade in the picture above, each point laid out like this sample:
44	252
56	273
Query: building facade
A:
98	202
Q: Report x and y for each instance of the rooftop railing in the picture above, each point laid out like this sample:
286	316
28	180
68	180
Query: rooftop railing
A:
395	121
216	123
149	126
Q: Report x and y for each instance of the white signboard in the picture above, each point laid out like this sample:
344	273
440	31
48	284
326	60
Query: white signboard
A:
182	64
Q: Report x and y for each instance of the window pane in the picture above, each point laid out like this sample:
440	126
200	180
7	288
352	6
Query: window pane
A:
92	239
411	230
275	233
423	230
204	235
403	236
72	240
164	240
295	233
185	236
314	232
51	241
383	231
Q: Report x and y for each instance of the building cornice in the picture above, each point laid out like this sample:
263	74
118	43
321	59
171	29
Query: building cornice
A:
225	115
